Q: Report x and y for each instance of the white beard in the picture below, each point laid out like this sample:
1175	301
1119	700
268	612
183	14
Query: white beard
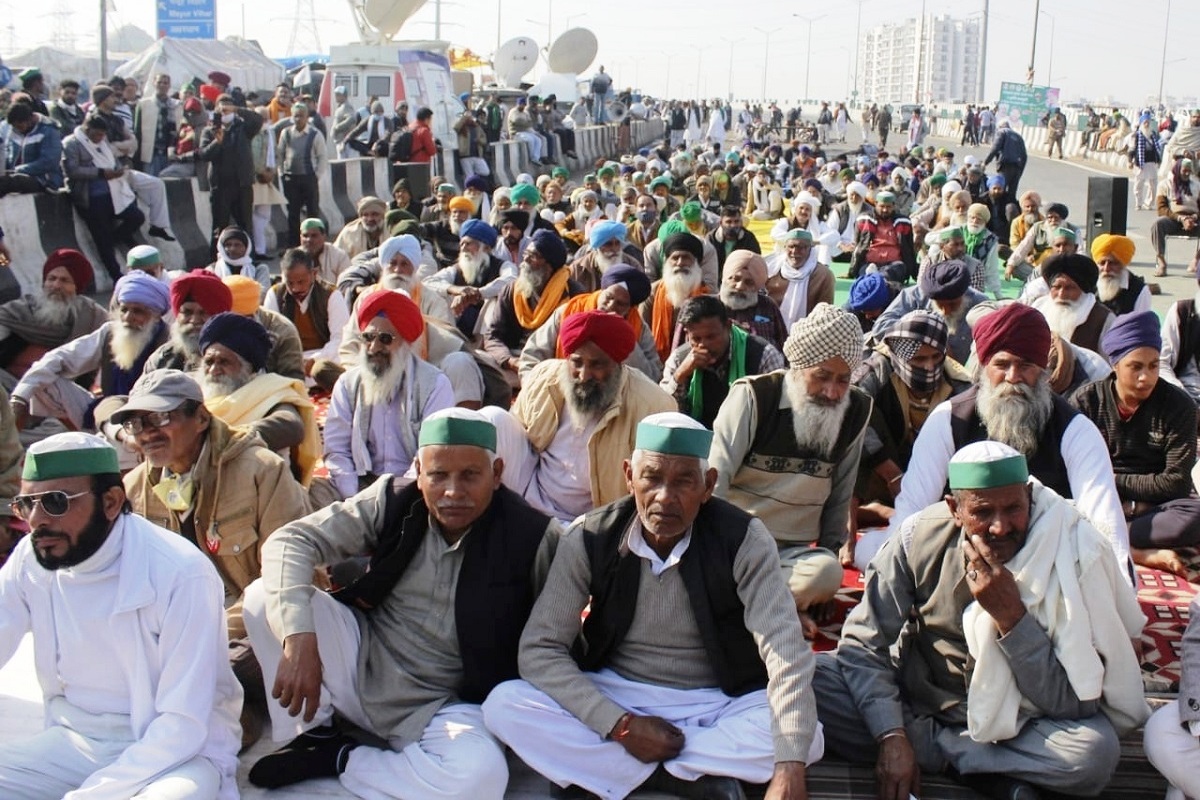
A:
126	343
455	226
606	262
680	285
1108	287
378	389
1062	317
53	312
186	342
470	266
737	301
816	426
953	321
583	216
220	385
530	282
396	282
1015	414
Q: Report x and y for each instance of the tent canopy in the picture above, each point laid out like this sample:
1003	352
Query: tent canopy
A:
185	59
58	64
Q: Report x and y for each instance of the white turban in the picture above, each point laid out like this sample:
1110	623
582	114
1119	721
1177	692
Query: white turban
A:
405	245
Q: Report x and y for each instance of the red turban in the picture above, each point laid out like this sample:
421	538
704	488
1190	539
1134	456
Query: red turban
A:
612	334
210	93
73	262
399	309
1015	328
203	287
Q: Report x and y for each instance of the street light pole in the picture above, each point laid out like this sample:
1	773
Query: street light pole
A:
1162	72
1037	11
1050	62
808	48
766	60
729	81
857	45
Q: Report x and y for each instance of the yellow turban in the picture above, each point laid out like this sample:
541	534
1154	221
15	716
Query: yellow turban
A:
461	203
1109	244
247	294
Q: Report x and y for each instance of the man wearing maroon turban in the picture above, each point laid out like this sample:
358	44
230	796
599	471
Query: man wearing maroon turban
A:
195	297
377	405
574	422
1012	403
32	325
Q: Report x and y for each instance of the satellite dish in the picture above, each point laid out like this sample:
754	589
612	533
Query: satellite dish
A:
386	16
514	59
573	52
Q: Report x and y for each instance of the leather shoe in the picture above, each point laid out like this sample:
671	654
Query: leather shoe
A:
160	233
706	787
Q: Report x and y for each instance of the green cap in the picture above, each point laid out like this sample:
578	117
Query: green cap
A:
884	196
798	234
454	427
143	255
70	455
673	434
661	180
987	465
953	232
937	179
1063	232
525	191
690	212
560	172
447	187
605	172
312	224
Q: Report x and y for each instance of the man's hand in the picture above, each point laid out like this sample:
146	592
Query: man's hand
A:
896	772
20	410
992	584
651	739
5	256
695	359
298	681
788	782
308	366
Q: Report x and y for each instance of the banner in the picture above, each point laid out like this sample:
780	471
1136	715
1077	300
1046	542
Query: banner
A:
1021	103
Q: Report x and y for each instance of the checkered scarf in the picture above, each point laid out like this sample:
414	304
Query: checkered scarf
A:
915	329
826	332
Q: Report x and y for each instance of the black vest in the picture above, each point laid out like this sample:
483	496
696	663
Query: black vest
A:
495	593
1125	299
716	389
1047	463
318	305
707	572
775	437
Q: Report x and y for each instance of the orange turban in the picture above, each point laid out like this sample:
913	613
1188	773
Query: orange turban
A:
247	294
1110	244
461	203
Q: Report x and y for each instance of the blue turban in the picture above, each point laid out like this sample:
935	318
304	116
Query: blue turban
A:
996	180
870	292
637	283
1128	333
243	335
604	232
142	287
480	231
945	280
550	247
406	245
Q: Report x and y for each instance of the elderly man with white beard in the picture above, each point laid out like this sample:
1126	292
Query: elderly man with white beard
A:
606	249
543	284
478	276
1012	403
32	325
366	232
682	278
844	219
445	235
195	297
399	263
118	349
378	405
241	393
805	208
1117	288
943	288
1071	307
797	280
786	447
743	291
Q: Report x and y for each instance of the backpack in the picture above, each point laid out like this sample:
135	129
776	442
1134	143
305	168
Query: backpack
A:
401	146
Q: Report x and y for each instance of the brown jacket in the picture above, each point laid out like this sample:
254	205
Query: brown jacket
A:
244	493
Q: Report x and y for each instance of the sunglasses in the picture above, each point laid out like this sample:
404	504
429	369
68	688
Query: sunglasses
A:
155	419
54	503
385	339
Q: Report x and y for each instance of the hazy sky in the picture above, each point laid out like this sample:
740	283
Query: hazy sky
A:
1100	48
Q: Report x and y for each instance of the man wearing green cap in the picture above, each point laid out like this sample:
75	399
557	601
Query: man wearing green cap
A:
1018	671
456	561
1044	237
329	259
690	626
128	641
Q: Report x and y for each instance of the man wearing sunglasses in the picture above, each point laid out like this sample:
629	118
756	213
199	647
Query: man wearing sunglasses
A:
219	488
127	639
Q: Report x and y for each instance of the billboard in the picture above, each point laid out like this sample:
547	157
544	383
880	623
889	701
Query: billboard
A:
186	19
1021	103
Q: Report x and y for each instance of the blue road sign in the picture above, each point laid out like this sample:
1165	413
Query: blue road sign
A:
187	19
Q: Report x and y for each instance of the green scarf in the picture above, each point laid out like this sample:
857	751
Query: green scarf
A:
972	240
737	369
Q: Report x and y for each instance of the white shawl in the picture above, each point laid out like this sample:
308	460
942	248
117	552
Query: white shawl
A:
795	300
1071	583
103	157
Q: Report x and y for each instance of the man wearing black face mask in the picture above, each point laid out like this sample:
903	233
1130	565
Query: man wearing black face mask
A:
906	376
645	229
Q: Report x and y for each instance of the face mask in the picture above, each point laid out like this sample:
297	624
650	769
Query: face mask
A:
647	216
920	380
227	118
1031	218
975	227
